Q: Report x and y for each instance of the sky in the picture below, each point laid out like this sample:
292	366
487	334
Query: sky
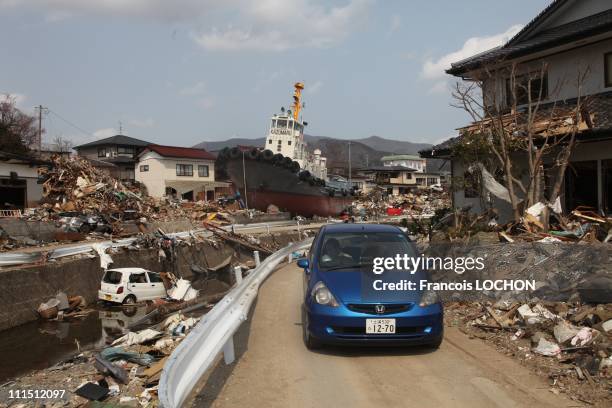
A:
184	71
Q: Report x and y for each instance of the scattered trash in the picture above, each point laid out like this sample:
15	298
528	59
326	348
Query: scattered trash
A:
547	348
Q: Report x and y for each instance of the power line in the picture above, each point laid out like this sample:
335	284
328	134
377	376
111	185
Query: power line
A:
71	124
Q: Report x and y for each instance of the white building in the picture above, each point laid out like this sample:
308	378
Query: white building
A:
405	160
179	172
19	186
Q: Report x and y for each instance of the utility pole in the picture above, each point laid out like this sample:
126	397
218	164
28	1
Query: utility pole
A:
349	176
246	200
40	113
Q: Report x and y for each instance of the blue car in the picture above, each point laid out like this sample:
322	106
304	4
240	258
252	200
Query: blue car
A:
343	303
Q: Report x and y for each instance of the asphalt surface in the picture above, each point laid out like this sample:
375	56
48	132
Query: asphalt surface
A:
276	370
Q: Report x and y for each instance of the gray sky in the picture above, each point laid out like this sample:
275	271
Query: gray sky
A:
184	71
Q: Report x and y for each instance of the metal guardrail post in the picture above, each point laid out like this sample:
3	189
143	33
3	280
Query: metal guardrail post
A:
229	356
214	333
238	275
256	257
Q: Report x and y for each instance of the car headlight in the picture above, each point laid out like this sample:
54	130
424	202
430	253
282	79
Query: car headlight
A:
429	297
323	296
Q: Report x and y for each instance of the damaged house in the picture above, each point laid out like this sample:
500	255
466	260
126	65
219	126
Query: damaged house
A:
541	110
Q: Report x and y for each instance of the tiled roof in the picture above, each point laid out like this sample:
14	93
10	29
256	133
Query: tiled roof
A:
565	33
181	152
115	140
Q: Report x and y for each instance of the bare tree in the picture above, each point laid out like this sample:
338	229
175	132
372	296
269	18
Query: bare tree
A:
18	131
523	127
62	145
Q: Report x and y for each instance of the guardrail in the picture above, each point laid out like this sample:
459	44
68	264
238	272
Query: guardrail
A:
215	332
25	257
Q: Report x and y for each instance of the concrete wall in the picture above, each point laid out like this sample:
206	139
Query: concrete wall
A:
563	70
25	288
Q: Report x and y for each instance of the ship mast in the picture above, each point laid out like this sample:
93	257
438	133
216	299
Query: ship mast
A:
297	103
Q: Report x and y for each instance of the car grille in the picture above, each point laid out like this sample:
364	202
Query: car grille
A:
390	308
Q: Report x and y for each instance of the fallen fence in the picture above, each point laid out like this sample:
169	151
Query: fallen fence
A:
214	333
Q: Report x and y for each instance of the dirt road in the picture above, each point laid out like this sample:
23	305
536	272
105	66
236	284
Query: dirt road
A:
276	370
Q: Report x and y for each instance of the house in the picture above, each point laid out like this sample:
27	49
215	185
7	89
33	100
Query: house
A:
395	179
405	160
568	44
118	153
180	172
19	187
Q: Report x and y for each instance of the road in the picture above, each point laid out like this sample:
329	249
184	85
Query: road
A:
276	370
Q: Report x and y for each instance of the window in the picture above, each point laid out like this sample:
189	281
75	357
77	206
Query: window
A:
184	170
138	278
154	277
409	176
281	124
125	150
524	83
289	142
608	69
270	141
144	168
102	152
203	171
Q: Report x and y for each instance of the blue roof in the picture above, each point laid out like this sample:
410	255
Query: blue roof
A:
344	227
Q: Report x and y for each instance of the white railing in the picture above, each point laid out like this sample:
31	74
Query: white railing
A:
214	333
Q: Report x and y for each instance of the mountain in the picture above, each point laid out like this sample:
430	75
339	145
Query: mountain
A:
396	146
216	146
364	152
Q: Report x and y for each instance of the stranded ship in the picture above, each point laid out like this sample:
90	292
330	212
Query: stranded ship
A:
284	172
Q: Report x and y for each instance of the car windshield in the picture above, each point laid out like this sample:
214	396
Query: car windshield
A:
113	277
345	250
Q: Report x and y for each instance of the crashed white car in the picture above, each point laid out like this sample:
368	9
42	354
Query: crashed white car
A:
131	285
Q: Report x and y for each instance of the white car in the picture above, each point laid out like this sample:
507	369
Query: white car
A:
131	285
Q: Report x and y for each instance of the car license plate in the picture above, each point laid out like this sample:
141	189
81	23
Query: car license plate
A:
108	297
380	326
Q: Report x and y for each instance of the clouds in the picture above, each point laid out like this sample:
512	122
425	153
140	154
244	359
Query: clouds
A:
277	25
228	25
162	10
17	98
475	45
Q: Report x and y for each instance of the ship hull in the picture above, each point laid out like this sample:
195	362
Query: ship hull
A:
267	184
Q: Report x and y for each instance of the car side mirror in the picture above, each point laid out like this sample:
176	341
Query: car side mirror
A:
303	263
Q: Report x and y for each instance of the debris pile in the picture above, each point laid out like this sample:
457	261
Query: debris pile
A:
420	203
124	373
569	342
74	185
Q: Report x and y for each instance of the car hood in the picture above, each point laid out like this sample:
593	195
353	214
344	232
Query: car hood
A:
356	286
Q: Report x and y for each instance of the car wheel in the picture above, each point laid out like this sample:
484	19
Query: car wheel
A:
436	344
310	342
129	300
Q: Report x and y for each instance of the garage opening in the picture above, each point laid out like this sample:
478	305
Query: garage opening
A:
12	194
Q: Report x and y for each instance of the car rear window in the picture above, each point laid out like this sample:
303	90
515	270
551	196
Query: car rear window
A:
359	249
113	277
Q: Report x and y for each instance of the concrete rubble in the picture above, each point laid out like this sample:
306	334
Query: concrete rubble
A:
568	343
